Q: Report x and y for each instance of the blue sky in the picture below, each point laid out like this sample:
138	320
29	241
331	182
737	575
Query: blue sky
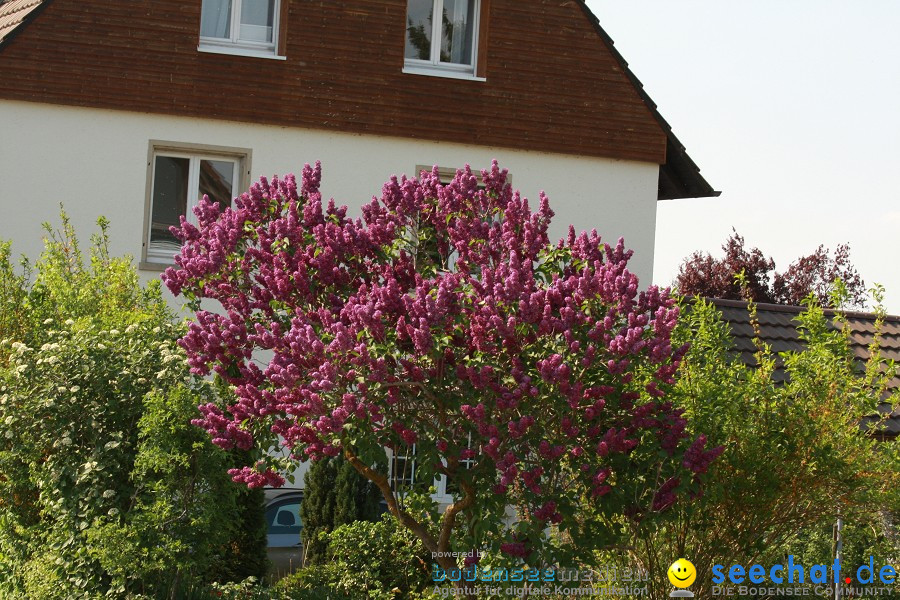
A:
790	108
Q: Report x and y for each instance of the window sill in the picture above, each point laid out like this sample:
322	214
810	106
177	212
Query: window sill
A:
239	51
154	266
445	73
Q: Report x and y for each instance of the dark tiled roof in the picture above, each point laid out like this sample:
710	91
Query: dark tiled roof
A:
15	12
779	329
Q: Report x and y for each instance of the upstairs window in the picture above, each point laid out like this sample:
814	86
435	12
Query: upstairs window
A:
447	174
442	36
240	26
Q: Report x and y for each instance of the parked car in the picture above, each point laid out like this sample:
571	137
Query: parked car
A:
283	527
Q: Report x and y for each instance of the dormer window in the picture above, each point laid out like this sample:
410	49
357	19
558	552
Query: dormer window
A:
248	27
442	37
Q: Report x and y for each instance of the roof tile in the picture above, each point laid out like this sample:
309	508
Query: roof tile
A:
13	13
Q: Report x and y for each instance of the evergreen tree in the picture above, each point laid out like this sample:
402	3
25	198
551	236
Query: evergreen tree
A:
317	509
335	494
356	498
246	555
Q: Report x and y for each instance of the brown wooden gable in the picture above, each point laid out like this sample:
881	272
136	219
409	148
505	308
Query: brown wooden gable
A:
553	84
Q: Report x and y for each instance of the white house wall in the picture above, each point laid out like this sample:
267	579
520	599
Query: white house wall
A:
95	163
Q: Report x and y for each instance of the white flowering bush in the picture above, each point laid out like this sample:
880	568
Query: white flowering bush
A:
106	489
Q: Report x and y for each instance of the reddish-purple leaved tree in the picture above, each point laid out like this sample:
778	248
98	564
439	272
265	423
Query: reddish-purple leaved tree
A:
814	275
530	375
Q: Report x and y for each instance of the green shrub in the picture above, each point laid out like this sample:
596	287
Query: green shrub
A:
106	489
367	560
795	456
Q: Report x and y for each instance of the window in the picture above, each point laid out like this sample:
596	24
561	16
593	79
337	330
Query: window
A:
450	488
179	176
447	174
447	45
240	26
403	468
431	250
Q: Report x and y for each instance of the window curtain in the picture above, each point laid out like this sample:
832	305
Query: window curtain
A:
459	20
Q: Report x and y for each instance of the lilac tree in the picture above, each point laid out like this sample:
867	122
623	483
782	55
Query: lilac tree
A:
443	323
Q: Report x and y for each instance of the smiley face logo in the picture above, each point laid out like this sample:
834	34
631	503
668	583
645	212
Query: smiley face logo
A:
682	573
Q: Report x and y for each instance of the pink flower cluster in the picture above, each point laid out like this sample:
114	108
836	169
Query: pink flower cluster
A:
443	318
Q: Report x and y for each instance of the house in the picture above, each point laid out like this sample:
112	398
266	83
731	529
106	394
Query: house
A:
778	328
133	110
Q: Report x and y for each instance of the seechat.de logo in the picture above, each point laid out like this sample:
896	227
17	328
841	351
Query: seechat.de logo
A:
797	573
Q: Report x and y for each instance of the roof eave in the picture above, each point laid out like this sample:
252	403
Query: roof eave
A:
679	176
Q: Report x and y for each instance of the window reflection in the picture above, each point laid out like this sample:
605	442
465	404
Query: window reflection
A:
257	20
215	19
418	29
216	177
170	190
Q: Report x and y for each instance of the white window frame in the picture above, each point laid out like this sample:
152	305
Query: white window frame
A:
157	260
402	481
434	66
447	174
235	45
444	495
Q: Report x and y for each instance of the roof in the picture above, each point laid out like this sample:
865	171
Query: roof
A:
13	13
679	176
778	328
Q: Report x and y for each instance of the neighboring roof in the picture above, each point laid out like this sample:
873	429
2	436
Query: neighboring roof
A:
778	328
680	176
13	13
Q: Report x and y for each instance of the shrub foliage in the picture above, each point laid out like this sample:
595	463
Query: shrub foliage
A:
795	454
105	487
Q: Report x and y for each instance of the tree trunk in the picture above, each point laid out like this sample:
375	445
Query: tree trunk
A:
439	548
